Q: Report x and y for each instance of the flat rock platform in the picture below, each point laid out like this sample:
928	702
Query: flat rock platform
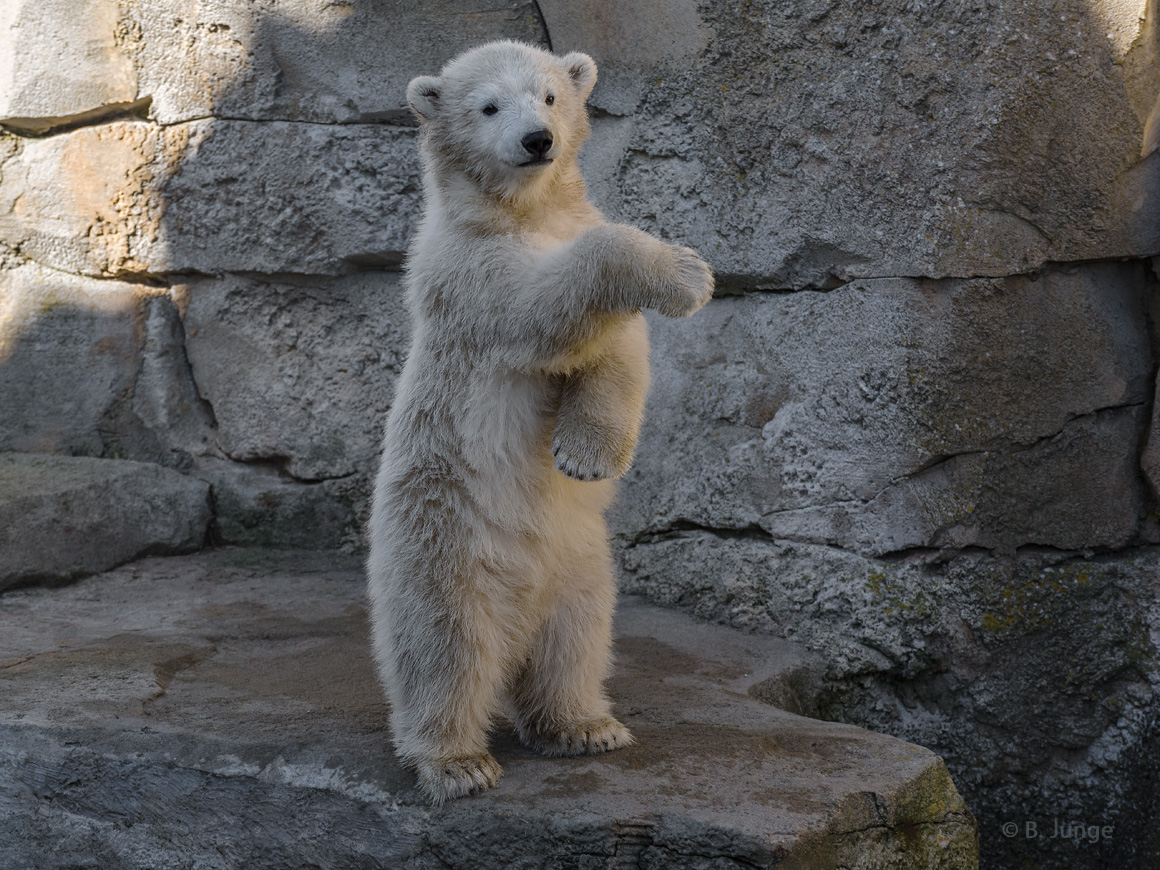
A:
219	710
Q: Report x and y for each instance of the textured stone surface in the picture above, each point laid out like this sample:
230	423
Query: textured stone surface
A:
131	197
62	62
221	709
66	516
311	61
270	60
259	504
1035	676
102	368
89	201
803	143
300	372
894	414
1150	459
273	392
69	354
96	368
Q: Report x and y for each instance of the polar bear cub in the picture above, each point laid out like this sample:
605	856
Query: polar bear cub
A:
490	576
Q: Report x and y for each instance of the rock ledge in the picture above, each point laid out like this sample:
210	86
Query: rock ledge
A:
220	710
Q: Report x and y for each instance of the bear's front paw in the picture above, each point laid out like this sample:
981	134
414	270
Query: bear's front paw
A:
580	738
688	283
459	776
590	455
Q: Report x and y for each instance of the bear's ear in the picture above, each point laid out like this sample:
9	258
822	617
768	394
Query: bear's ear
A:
582	71
423	96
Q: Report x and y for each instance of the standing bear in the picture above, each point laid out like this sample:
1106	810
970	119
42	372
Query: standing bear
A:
490	577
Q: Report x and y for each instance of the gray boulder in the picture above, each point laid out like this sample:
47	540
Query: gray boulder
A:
63	517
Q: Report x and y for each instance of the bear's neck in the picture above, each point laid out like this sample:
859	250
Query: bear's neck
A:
461	199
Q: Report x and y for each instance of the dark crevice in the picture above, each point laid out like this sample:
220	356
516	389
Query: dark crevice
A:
734	284
153	280
543	25
280	465
748	284
396	120
926	555
41	128
599	112
678	528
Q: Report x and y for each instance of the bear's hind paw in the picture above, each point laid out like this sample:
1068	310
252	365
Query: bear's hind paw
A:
457	777
580	738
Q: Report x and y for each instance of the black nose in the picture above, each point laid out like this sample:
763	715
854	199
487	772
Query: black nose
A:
538	143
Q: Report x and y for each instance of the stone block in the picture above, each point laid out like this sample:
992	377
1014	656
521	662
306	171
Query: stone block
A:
90	201
62	517
70	350
96	368
803	144
1150	458
893	414
305	60
211	196
299	372
179	61
258	504
1033	673
63	62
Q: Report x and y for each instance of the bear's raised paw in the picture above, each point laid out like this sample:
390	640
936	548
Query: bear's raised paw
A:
689	283
457	777
591	454
581	738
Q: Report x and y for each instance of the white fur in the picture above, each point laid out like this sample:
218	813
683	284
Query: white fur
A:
490	577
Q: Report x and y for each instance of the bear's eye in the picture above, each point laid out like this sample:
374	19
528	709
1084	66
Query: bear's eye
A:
551	98
490	109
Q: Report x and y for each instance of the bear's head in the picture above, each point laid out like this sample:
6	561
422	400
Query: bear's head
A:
507	115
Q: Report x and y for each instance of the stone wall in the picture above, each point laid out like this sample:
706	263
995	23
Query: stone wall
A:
912	431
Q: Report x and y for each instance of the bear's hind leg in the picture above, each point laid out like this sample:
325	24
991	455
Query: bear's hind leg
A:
559	699
601	408
442	680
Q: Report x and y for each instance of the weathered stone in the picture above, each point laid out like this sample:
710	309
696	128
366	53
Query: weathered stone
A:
96	368
221	710
801	144
274	60
1150	458
1034	675
171	417
62	63
299	372
133	197
895	414
276	397
311	198
310	61
258	504
66	516
90	201
69	351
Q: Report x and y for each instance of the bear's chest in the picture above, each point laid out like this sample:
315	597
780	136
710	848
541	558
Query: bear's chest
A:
506	416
